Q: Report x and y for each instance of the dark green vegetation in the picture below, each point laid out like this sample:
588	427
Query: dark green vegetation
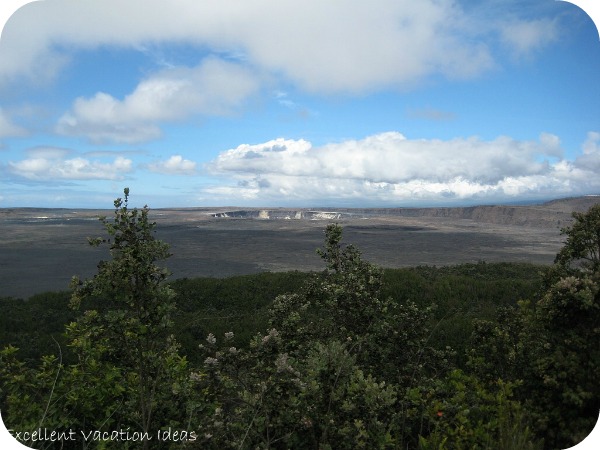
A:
241	304
473	356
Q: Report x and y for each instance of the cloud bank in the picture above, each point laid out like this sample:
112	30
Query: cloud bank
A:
388	168
347	46
385	169
58	164
334	47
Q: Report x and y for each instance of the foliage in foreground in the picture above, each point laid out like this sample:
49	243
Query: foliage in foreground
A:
551	345
127	367
340	363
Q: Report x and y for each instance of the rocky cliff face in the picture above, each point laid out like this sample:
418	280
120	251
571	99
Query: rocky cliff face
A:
556	213
553	214
284	214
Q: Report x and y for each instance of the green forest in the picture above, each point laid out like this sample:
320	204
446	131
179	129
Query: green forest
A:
473	356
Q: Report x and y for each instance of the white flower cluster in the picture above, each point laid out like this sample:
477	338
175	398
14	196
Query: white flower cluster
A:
210	361
283	364
195	376
273	333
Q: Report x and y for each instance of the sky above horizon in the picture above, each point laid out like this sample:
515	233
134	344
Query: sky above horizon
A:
348	103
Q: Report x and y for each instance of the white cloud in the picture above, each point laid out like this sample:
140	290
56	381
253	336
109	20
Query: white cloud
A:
590	159
390	157
52	164
388	167
321	46
526	37
175	165
592	143
334	46
214	87
551	144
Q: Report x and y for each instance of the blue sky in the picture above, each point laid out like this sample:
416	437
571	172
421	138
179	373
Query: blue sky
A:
383	103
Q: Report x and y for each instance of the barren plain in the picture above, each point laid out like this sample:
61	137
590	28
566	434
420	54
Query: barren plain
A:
41	249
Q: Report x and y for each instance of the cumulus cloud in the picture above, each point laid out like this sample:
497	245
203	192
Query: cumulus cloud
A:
390	157
321	46
590	159
214	87
592	143
51	163
175	165
388	167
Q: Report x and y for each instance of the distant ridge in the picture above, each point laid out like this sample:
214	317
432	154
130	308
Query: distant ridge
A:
550	214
